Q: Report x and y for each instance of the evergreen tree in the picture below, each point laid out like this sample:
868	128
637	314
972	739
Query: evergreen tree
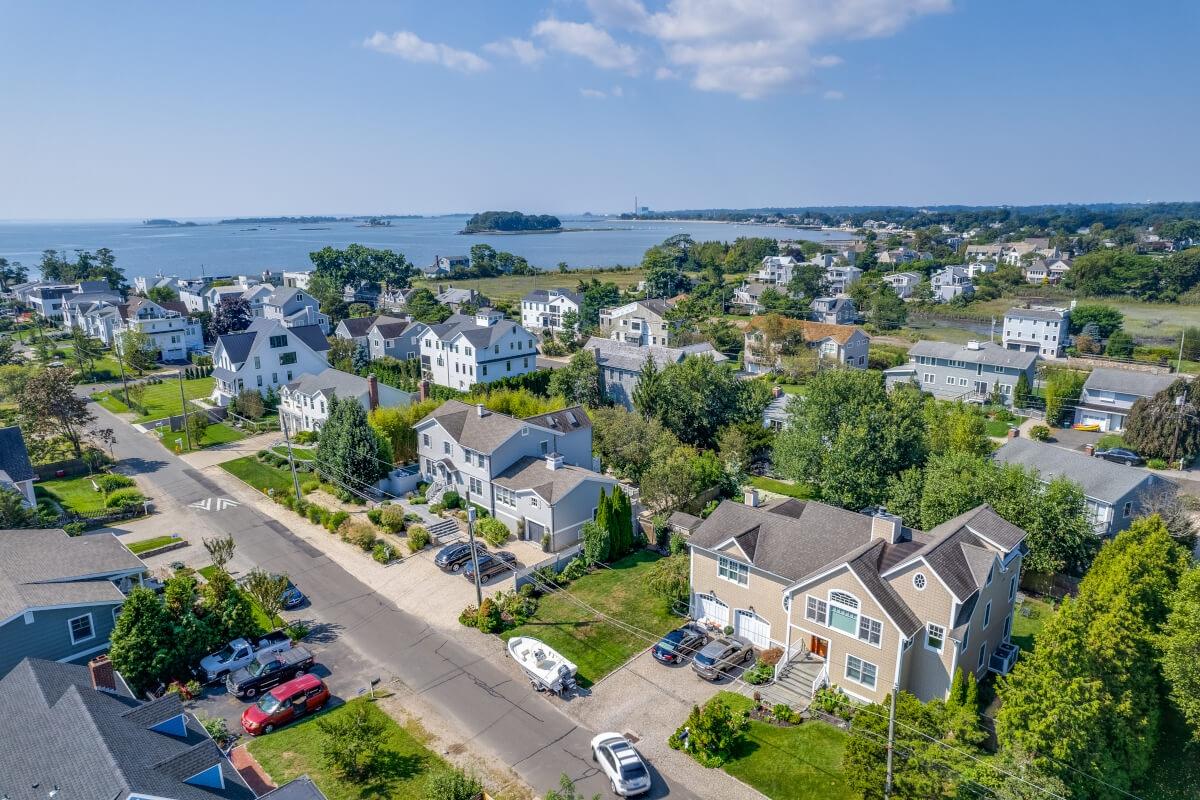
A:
645	393
1021	392
604	520
140	646
1181	649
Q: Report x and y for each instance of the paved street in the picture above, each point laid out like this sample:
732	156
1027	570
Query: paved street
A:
360	633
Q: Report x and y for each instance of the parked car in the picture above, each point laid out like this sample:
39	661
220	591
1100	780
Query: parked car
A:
286	703
1120	455
239	653
455	555
490	564
621	762
291	598
679	644
267	670
720	656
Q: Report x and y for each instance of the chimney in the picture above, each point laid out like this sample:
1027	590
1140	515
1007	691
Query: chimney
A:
372	392
752	498
480	410
423	390
103	675
973	344
553	461
888	527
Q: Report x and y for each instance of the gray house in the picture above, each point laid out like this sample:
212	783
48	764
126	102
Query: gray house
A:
1109	394
639	322
398	338
969	372
535	474
834	310
950	282
621	363
357	328
60	594
1116	494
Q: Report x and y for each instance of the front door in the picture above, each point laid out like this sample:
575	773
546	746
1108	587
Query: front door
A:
818	647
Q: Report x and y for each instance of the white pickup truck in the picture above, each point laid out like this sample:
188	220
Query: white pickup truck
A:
239	653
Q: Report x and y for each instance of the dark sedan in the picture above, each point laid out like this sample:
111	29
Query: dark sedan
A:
293	597
679	644
491	564
1120	455
452	557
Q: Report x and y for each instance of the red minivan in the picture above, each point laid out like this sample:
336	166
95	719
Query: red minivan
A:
285	703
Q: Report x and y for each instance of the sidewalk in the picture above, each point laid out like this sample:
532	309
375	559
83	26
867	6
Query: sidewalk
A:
221	453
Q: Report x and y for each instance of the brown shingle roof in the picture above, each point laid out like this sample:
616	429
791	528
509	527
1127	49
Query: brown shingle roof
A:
812	331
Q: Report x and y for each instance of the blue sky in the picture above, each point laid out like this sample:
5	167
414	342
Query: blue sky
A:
126	110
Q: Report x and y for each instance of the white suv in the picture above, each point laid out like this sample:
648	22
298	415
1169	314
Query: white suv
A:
621	763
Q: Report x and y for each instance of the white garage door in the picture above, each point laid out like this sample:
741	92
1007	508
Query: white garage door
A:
750	626
709	608
1096	419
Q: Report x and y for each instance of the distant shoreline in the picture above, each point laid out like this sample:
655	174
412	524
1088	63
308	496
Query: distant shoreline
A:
489	232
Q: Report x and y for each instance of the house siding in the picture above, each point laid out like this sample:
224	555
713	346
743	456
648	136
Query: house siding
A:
928	673
49	637
763	591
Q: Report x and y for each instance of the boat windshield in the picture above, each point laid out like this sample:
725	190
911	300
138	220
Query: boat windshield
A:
269	703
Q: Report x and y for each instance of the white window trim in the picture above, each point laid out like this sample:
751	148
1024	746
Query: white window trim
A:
861	663
942	628
920	587
982	655
726	564
91	627
987	614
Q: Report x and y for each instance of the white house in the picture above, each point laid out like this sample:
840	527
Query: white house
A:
903	283
295	307
949	282
256	296
297	279
304	403
1037	329
544	308
174	334
776	270
536	475
265	355
465	350
639	322
841	277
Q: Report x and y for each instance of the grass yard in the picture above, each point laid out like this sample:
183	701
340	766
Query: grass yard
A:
797	490
801	761
215	433
149	544
300	453
209	571
73	494
1025	627
596	646
404	764
161	399
260	476
999	428
514	287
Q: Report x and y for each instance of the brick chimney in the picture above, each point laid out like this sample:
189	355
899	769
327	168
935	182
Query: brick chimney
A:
103	675
372	392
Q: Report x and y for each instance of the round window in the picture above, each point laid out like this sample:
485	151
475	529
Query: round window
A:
919	580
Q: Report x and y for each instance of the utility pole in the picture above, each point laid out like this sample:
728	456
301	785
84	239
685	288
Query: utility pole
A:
1179	401
121	366
891	744
291	459
1179	363
474	553
183	405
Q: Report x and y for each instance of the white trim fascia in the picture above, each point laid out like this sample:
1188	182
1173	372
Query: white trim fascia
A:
102	646
782	580
870	594
992	542
95	576
733	540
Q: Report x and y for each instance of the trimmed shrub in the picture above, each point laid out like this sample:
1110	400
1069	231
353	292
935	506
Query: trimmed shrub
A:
489	616
124	498
358	533
335	520
418	537
1039	432
310	486
75	528
759	674
451	500
382	552
469	617
391	519
113	481
575	569
492	530
374	515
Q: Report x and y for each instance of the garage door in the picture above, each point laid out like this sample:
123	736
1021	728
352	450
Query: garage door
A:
709	608
750	626
1096	419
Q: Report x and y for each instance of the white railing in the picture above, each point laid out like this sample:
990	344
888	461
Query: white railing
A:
822	678
798	648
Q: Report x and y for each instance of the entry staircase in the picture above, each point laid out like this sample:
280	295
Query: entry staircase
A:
796	682
444	531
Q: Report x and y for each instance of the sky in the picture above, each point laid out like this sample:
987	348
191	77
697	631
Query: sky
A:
151	109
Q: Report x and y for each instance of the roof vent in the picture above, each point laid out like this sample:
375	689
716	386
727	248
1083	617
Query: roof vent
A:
480	410
974	345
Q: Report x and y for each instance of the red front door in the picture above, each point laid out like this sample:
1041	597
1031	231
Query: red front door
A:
818	647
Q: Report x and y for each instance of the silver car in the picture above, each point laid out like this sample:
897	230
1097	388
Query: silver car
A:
622	763
720	656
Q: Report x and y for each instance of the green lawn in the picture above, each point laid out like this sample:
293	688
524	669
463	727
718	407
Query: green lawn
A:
260	476
215	433
73	494
405	763
209	571
999	428
1024	627
788	388
161	399
514	287
598	647
300	453
797	490
801	761
149	544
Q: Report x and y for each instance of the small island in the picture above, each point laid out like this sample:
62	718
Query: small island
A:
512	222
168	223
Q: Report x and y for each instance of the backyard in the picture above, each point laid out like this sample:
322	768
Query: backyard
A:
73	494
514	287
259	475
798	761
160	400
596	646
403	766
798	490
1030	616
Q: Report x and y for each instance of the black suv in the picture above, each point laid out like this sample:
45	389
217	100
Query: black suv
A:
452	557
267	670
491	564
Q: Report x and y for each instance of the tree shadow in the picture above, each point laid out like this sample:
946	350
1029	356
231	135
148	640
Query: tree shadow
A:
389	768
136	465
323	632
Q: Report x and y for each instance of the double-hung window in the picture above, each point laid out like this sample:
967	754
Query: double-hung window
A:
870	630
734	571
859	671
476	486
935	637
81	629
815	609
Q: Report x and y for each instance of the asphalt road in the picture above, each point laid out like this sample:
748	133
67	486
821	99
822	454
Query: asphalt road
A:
360	633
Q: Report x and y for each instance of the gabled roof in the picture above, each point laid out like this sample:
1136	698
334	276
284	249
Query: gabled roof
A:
1128	381
391	327
14	457
632	357
988	353
485	433
91	743
1100	480
545	296
551	485
811	331
283	295
572	418
331	381
357	327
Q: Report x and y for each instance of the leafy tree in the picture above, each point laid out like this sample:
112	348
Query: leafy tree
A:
13	511
664	266
1191	343
673	481
249	404
341	353
231	315
670	578
1063	387
137	351
1107	319
483	259
1021	392
956	428
1114	272
1180	657
197	426
8	353
267	590
886	311
743	444
424	307
162	294
358	263
353	740
1167	425
87	266
713	731
596	542
1087	701
49	408
349	452
596	295
11	273
579	381
698	396
1120	345
567	791
220	550
809	282
84	351
395	424
140	647
864	761
359	310
628	443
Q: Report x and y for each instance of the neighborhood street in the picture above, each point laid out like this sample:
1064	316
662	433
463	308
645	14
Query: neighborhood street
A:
358	635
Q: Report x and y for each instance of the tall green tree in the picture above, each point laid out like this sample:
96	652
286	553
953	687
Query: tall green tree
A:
84	351
350	453
1107	319
50	409
579	381
231	316
1180	657
162	294
140	648
1166	425
864	761
648	389
696	397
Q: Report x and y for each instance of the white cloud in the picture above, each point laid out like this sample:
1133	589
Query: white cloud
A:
585	40
410	47
522	50
834	94
617	91
594	94
754	47
665	74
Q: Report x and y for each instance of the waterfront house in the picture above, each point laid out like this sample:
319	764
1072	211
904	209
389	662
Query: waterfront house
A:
256	295
748	296
480	348
355	329
856	601
305	402
297	278
834	310
776	270
903	283
640	322
950	282
396	338
455	299
1037	329
970	372
543	309
621	363
169	328
1109	394
1115	494
840	277
536	475
265	356
840	344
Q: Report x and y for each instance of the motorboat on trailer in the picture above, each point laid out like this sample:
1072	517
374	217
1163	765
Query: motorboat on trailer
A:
547	670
